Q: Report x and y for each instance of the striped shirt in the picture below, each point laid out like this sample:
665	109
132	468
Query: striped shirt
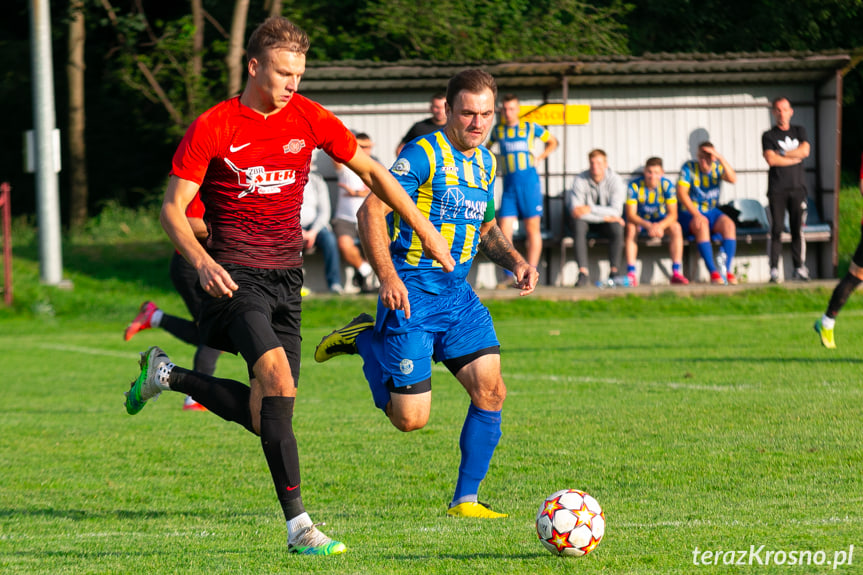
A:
518	145
456	193
703	186
651	204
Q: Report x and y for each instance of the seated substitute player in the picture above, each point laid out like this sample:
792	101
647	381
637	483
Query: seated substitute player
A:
698	195
844	288
250	156
596	201
651	211
425	313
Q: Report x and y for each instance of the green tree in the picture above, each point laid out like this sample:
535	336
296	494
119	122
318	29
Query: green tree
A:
454	30
742	25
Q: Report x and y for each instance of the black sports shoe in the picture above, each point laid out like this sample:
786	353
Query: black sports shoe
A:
343	340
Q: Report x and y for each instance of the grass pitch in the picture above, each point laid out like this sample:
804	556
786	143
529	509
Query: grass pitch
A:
702	425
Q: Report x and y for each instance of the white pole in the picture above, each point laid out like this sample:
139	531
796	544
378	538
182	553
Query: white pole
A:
48	202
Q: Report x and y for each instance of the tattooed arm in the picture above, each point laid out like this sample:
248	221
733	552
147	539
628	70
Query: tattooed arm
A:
499	250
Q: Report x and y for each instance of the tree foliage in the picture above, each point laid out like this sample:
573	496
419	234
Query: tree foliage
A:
743	25
493	29
151	68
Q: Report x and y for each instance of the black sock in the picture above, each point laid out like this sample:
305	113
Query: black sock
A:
226	398
280	449
841	294
183	329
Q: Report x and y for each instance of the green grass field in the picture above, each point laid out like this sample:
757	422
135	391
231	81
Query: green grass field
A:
711	423
716	431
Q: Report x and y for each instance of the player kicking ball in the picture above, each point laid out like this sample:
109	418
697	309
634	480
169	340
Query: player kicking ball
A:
425	313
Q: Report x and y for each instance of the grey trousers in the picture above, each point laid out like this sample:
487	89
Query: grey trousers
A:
611	230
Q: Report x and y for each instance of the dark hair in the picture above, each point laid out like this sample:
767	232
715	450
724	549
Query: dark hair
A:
363	136
778	99
474	81
439	96
705	144
654	161
509	97
596	152
277	32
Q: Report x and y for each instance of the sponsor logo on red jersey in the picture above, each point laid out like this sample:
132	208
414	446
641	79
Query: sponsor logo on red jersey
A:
259	181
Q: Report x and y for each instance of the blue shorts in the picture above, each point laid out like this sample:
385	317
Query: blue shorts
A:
685	218
522	196
441	327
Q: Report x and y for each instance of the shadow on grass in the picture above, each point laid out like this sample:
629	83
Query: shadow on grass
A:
118	514
468	556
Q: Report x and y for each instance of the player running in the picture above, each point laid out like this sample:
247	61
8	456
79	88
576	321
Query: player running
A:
250	157
425	313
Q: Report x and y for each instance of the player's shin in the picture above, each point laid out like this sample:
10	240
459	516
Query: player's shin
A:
841	293
227	398
280	450
479	438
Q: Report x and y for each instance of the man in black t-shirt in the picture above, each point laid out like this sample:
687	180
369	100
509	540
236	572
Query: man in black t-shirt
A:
785	147
429	125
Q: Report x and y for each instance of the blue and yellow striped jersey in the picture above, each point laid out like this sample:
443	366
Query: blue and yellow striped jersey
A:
455	193
652	205
518	144
703	187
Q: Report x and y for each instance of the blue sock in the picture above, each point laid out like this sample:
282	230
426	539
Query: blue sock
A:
730	247
630	269
479	437
706	251
369	348
675	267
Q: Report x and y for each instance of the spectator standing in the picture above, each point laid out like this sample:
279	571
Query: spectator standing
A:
315	220
595	203
352	193
522	192
785	147
436	121
651	211
698	188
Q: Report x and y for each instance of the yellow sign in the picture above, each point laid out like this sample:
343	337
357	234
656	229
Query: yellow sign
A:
553	114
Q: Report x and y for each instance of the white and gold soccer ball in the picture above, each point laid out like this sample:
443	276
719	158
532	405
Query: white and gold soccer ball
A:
570	522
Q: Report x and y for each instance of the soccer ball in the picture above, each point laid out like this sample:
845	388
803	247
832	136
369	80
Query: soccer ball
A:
570	522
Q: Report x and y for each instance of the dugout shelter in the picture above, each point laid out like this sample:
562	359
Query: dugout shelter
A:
653	105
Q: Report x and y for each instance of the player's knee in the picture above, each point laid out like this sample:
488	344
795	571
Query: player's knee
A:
490	397
408	421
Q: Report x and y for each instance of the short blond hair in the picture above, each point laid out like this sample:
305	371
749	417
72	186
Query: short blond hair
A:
277	32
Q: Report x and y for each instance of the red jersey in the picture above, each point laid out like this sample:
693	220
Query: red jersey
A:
195	209
252	171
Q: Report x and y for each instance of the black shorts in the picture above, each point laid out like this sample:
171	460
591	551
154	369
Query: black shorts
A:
263	314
